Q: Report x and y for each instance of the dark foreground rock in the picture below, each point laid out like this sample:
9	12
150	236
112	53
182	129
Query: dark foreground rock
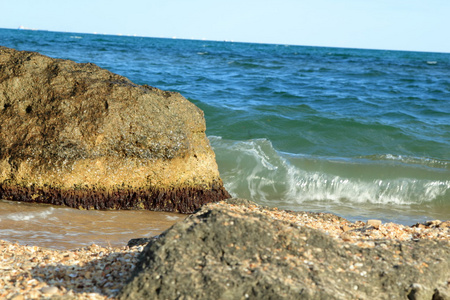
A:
226	253
78	135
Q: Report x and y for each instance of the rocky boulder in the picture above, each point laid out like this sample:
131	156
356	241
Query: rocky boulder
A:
78	135
224	252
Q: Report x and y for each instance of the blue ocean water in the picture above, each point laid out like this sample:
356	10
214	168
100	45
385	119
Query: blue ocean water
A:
360	133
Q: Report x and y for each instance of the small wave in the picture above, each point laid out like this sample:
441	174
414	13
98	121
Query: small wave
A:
371	73
254	169
251	64
419	161
313	70
288	95
244	64
26	216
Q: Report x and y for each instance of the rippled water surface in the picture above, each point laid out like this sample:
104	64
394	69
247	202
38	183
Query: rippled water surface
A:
360	133
67	228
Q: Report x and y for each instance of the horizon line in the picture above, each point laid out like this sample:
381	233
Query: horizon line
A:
226	41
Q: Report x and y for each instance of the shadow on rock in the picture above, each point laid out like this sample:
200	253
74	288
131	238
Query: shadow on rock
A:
226	253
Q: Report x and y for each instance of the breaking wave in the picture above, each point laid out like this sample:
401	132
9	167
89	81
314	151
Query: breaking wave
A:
254	169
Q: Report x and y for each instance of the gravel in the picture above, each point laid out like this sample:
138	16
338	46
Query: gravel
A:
94	272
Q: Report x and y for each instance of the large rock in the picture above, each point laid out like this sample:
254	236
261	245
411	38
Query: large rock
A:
226	253
78	135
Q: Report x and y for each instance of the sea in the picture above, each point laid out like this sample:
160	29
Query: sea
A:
363	134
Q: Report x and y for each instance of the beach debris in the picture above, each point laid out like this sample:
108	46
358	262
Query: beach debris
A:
49	290
433	224
374	223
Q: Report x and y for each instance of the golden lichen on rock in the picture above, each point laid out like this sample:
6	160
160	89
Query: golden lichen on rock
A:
79	135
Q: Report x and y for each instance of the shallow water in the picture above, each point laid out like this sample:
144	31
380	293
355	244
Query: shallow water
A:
67	228
392	189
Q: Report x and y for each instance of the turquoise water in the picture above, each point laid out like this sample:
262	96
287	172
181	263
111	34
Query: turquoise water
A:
360	133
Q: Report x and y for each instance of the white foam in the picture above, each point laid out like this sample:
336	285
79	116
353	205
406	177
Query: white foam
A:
411	160
254	170
26	216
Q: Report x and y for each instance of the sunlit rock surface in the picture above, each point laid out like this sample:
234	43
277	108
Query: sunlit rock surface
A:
78	135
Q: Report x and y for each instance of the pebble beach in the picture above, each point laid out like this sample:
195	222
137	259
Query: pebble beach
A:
95	272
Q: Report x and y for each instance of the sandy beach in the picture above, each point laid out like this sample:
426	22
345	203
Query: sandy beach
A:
94	272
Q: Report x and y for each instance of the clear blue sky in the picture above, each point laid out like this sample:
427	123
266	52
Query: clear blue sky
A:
420	25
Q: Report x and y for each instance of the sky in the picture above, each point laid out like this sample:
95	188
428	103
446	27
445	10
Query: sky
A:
416	25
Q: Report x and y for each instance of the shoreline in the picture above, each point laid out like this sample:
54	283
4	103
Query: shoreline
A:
64	228
97	272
